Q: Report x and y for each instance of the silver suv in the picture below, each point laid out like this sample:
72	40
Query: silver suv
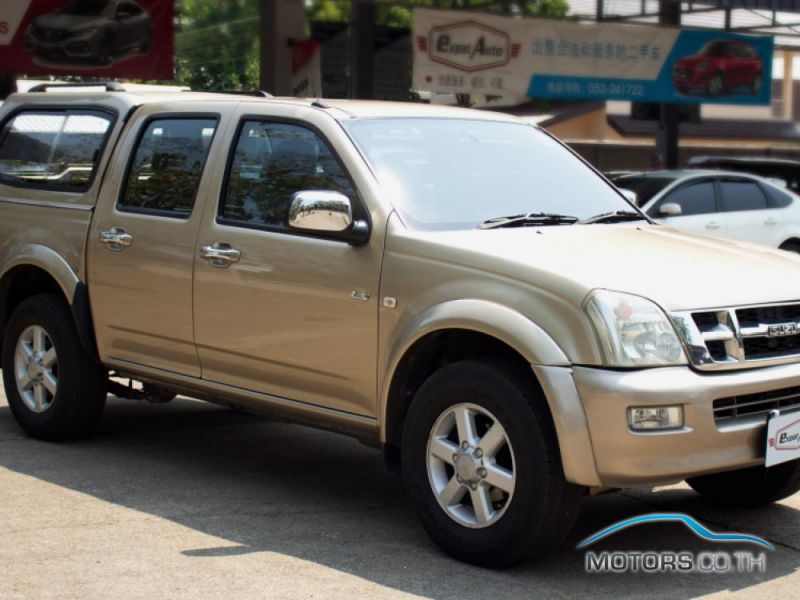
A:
454	287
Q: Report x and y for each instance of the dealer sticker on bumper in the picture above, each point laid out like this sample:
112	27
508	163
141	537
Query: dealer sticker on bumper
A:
783	438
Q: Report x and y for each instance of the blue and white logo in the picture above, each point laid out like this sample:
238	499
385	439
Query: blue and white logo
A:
694	526
653	561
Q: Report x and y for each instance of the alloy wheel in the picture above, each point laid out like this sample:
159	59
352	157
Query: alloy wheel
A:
36	369
471	465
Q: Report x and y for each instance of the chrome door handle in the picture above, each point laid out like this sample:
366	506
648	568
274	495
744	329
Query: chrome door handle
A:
116	238
220	254
712	225
771	221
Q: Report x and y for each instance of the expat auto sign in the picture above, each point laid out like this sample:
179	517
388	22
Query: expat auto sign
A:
499	56
102	38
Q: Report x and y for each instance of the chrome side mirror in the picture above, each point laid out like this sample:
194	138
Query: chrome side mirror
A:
630	196
322	211
670	209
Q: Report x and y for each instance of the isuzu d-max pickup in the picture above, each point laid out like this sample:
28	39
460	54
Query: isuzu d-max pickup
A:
454	287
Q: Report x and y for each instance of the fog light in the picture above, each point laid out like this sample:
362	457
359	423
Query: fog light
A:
648	418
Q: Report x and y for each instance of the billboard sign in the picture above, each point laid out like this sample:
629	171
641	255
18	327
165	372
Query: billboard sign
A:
492	55
99	38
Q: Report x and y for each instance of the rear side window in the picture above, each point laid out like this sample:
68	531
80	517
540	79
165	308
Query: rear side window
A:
273	161
777	198
53	149
694	199
167	165
742	195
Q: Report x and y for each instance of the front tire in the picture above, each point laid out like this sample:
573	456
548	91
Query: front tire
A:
716	85
55	391
749	488
482	465
105	52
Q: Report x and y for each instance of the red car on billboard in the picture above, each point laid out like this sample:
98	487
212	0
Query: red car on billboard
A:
720	67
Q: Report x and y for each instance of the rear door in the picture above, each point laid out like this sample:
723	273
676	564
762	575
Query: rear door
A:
699	208
747	211
142	240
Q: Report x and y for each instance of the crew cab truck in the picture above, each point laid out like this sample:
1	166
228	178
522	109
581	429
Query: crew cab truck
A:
455	287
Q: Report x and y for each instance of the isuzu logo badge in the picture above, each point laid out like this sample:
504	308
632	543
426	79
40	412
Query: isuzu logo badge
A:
781	329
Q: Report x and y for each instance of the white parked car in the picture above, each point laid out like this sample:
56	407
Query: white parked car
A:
735	205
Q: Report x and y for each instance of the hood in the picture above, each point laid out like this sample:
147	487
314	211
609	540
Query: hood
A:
690	62
61	21
676	269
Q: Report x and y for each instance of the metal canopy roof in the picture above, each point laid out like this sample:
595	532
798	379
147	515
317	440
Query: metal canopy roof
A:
780	18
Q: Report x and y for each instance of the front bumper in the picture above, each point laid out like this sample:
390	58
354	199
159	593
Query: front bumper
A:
690	80
72	47
623	458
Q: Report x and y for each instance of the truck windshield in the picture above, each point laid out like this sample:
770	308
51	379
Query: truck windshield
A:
458	173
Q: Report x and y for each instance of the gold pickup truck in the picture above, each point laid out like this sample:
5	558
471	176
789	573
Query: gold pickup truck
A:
455	287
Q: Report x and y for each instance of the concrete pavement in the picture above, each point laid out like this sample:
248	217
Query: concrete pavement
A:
189	500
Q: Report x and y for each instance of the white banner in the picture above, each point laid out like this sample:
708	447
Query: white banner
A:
488	55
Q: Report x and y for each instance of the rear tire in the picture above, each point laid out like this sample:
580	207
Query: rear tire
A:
54	389
517	525
749	488
755	87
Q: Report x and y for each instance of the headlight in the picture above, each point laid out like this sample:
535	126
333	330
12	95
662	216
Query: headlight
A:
702	66
633	331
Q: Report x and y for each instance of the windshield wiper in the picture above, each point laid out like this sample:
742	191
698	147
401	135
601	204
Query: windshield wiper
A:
616	216
529	219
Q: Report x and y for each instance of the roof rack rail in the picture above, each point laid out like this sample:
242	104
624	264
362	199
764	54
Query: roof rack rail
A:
256	93
110	86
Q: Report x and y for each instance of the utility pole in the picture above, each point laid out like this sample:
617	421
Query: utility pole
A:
8	85
362	49
282	22
669	15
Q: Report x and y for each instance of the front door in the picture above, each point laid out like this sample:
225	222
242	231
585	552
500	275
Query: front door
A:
290	315
142	243
699	213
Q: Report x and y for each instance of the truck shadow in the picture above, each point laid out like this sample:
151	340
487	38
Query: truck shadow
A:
263	486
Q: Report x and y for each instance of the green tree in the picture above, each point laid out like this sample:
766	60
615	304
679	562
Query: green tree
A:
217	41
216	44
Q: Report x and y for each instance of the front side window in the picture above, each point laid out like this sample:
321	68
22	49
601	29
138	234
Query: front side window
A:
457	173
694	199
53	149
742	195
270	163
167	165
717	49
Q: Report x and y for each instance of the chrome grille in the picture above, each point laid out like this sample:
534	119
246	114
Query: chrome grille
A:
751	406
741	337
